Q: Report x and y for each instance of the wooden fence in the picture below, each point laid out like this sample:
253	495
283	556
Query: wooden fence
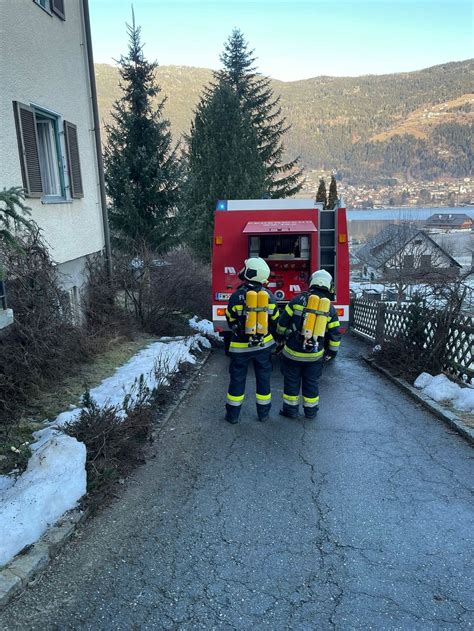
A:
381	322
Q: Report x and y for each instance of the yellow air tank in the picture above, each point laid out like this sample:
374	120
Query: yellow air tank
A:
262	313
322	320
251	319
310	317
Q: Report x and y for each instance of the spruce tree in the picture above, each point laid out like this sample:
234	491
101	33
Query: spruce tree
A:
321	195
142	170
223	163
257	99
332	197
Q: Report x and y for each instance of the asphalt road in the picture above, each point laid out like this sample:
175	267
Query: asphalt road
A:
362	519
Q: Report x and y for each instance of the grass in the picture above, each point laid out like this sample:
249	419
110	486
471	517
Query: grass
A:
68	391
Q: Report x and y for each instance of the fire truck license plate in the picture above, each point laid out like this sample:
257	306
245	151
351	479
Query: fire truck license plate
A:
223	296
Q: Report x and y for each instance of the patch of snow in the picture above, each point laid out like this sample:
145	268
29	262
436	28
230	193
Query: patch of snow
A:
52	484
165	355
423	380
465	400
440	388
205	327
55	478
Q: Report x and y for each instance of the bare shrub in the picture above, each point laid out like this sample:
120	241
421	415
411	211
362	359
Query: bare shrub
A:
42	343
422	342
104	317
114	436
163	290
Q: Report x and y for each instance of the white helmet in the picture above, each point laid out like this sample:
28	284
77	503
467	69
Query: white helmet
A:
321	278
255	270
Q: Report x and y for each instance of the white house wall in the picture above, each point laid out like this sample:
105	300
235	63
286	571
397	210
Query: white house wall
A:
43	62
439	259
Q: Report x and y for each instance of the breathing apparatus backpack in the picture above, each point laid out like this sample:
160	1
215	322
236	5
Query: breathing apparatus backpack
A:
256	316
315	319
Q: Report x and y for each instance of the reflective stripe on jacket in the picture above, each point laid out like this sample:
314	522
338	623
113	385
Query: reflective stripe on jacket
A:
291	323
235	314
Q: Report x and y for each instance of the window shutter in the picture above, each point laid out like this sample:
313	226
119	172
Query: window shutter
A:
25	122
57	7
75	177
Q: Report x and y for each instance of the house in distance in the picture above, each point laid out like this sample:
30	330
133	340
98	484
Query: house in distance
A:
447	222
405	251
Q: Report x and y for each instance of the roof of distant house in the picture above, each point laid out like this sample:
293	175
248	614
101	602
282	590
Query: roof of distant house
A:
390	240
448	219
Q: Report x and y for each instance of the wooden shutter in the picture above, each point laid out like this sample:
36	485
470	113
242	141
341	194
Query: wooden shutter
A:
72	148
57	7
27	136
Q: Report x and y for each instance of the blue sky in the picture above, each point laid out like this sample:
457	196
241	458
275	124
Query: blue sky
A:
293	39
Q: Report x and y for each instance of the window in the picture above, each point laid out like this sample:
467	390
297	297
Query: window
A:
425	261
408	261
281	247
42	149
74	305
51	167
52	6
45	4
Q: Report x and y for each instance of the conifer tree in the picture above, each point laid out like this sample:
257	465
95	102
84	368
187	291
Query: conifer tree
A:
142	170
257	99
223	163
321	195
332	197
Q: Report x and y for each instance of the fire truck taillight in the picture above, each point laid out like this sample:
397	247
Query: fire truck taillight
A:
343	238
340	312
220	312
218	240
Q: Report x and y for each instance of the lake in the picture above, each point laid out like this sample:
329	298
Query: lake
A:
404	214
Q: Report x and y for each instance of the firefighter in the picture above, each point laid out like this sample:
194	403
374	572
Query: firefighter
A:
305	352
247	344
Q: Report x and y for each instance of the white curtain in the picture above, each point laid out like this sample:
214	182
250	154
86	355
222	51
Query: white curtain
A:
48	156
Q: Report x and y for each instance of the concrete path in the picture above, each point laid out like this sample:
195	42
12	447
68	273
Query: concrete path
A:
360	520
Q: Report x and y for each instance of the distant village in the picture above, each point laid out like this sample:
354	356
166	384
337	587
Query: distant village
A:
453	192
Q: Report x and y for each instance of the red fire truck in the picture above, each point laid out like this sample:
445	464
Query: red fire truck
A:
294	236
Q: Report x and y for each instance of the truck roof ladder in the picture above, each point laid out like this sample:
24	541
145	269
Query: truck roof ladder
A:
327	242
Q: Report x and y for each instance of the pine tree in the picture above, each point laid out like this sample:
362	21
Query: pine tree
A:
223	163
142	170
257	99
321	195
332	197
13	217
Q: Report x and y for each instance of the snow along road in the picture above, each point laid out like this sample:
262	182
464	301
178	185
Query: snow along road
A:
362	519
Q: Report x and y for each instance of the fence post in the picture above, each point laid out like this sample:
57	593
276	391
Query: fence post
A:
380	325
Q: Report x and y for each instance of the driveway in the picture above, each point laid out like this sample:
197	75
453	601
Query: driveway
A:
362	519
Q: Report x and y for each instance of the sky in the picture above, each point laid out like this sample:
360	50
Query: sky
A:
295	39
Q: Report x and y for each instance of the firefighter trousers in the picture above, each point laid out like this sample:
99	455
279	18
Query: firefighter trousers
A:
302	375
238	367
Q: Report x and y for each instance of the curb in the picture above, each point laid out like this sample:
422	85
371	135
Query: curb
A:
23	568
169	413
435	408
28	564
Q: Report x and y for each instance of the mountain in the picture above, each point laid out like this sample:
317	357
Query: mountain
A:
413	125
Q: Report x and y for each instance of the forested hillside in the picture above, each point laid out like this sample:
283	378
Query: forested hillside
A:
414	125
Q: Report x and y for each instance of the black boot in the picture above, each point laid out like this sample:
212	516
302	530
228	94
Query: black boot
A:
288	414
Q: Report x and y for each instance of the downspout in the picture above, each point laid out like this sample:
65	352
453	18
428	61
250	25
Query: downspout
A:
98	143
